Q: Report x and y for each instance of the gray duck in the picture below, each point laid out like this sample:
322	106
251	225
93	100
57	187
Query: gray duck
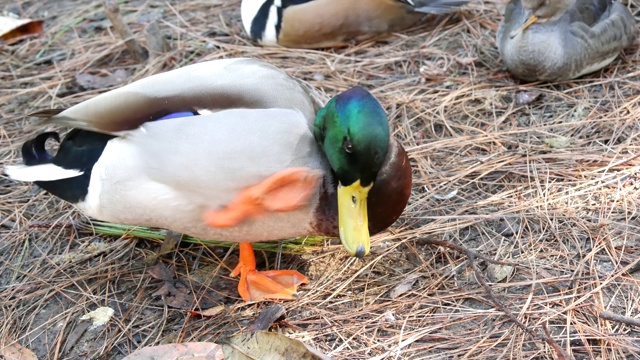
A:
563	39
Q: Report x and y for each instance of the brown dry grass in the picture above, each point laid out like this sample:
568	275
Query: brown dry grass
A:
485	177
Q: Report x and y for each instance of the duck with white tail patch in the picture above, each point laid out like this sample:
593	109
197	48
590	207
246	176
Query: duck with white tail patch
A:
333	23
231	150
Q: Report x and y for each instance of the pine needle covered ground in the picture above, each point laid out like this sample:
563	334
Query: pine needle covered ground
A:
521	238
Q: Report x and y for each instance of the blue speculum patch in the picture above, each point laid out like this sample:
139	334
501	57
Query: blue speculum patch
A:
176	115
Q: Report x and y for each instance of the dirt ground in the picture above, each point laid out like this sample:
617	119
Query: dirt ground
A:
521	239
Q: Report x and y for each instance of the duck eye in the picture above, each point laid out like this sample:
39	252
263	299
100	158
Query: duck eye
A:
347	145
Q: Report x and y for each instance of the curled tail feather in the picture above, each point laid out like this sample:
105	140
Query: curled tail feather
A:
34	151
38	164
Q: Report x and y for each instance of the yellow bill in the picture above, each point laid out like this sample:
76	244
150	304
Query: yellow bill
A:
530	21
352	218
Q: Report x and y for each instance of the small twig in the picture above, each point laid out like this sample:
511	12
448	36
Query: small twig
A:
549	339
607	315
278	256
112	11
472	255
75	333
500	306
54	224
561	354
5	222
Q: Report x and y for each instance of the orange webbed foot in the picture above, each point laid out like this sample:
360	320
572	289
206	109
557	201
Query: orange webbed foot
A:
257	285
262	285
286	190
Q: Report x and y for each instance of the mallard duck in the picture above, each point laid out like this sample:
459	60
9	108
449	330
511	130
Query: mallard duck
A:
563	39
331	23
229	150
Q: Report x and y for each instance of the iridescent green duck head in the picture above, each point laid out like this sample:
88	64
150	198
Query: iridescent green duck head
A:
353	132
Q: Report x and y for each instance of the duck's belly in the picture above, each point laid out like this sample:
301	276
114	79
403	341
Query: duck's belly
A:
170	173
157	206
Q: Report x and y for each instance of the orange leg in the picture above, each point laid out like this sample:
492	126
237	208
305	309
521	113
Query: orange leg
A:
260	285
284	191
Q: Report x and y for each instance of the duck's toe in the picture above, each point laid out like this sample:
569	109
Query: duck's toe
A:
257	285
274	284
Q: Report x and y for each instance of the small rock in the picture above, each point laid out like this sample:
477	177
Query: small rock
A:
527	97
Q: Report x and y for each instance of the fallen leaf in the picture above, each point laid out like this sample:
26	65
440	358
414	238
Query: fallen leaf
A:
90	81
404	286
163	272
260	345
83	253
465	61
203	273
450	195
498	273
184	351
268	316
559	142
99	316
16	352
178	293
208	312
14	29
268	345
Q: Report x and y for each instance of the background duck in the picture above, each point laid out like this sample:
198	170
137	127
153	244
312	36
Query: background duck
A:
563	39
329	23
229	150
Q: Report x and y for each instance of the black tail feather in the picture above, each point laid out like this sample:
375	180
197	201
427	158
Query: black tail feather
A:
79	150
34	151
